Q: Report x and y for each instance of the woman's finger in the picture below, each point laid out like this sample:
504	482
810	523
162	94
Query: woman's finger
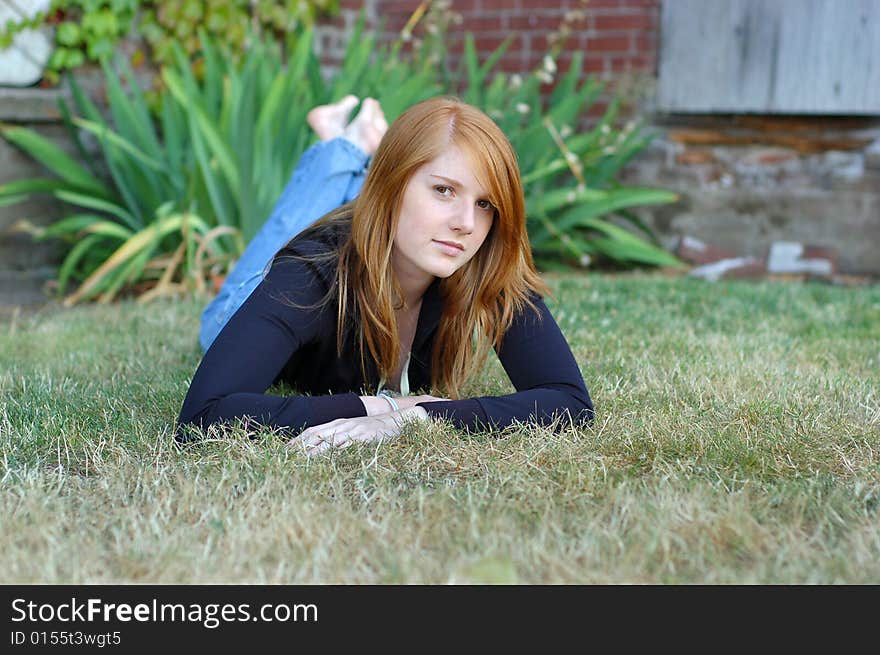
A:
326	446
323	442
310	435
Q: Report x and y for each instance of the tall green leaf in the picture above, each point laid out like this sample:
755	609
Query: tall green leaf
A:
55	159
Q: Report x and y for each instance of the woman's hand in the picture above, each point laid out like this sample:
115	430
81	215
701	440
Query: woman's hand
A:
377	406
344	432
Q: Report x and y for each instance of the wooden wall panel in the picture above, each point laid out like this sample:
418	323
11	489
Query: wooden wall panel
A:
770	56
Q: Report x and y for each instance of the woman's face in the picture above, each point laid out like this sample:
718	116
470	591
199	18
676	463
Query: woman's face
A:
445	216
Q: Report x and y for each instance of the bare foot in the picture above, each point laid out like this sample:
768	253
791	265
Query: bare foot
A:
368	128
329	121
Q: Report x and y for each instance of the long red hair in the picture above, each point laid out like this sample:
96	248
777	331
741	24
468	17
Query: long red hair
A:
482	297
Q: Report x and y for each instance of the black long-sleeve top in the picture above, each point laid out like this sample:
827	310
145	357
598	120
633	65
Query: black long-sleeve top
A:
282	332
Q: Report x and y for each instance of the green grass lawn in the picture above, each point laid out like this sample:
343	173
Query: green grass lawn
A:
737	440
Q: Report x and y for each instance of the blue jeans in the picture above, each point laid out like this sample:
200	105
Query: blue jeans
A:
328	175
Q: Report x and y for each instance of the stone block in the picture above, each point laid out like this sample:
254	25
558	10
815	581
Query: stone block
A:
694	157
872	156
761	192
771	157
694	251
845	166
31	106
788	257
22	63
19	251
25	288
733	267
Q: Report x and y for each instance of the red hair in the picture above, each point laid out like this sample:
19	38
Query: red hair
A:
482	297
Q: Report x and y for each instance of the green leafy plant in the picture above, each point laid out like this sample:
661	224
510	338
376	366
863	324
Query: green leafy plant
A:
168	24
186	189
568	173
89	31
184	183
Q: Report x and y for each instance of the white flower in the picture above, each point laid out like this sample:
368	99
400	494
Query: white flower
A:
523	108
549	64
515	81
571	196
565	131
571	158
605	129
544	76
585	260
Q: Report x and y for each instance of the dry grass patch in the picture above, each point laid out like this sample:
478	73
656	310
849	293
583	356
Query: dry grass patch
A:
736	441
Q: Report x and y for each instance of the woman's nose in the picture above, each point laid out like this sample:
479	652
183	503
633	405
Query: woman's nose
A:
464	218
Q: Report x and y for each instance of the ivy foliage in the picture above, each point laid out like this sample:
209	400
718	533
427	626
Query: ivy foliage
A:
89	31
189	171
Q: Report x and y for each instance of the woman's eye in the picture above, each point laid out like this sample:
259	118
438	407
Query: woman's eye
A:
485	205
442	190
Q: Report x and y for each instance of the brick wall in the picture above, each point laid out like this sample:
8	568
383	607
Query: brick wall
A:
616	36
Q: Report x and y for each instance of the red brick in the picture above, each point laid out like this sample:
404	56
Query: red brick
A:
387	6
394	24
696	157
645	44
545	6
337	22
481	23
646	64
511	65
535	22
489	43
629	64
614	22
460	6
608	44
563	63
598	108
492	4
533	61
455	46
602	4
397	17
541	42
594	64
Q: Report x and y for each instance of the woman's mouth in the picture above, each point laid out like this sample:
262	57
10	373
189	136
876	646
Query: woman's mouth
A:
450	247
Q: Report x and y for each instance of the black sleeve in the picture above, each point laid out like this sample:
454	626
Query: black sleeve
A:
540	364
251	350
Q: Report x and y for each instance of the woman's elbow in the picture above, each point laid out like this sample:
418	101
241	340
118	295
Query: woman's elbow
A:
191	424
586	410
578	410
186	432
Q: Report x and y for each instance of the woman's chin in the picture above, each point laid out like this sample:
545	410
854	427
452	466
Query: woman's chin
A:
442	271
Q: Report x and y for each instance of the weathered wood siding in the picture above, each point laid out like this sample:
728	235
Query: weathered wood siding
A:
770	56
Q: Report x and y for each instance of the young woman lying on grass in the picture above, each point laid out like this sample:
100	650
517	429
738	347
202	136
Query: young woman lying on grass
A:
410	261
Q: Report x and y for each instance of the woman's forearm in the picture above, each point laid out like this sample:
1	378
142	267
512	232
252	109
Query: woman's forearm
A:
376	405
